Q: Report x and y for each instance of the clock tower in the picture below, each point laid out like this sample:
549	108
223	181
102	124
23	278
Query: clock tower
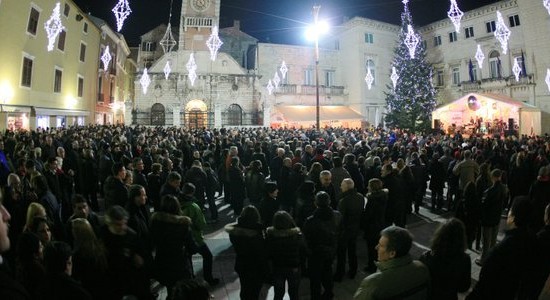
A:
197	19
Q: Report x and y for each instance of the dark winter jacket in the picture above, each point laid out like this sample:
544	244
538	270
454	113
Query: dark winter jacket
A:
115	191
351	206
254	185
492	203
268	208
374	215
284	247
250	248
321	233
449	275
62	287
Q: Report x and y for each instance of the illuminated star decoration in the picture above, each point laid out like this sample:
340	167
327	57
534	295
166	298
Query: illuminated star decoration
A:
394	77
168	42
479	56
270	87
122	11
145	81
548	78
191	67
546	4
167	69
369	79
405	2
106	59
53	26
516	69
214	43
276	80
455	14
502	33
284	68
411	40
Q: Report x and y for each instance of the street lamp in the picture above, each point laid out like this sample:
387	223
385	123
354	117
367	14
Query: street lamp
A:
313	33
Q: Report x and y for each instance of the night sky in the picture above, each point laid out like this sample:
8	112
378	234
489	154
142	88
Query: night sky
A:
277	21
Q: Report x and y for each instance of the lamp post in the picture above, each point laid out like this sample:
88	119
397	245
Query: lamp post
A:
313	33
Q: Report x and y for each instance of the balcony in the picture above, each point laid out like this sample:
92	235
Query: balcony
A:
497	83
293	89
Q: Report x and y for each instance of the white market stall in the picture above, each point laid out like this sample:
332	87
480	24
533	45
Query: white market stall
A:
488	110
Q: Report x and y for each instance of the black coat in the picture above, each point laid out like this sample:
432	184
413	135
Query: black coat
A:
356	176
173	243
115	191
11	289
284	247
492	203
449	275
63	287
321	233
374	215
351	206
250	248
268	208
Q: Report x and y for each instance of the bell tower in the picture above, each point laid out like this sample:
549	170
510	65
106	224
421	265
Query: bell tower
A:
197	19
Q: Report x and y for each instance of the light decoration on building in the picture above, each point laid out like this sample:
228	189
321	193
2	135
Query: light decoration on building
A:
516	69
167	70
145	81
191	67
369	79
270	87
276	80
283	69
214	43
479	56
455	14
411	40
548	78
394	77
502	33
168	42
53	26
122	11
106	59
546	4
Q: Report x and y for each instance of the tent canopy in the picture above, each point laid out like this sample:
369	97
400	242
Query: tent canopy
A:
303	115
490	107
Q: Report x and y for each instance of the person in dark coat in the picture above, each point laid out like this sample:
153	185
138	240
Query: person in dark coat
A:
212	186
325	185
114	188
350	164
139	175
284	244
247	238
373	217
29	269
483	182
437	174
51	204
260	156
155	185
58	284
321	234
139	218
539	195
172	185
305	203
350	207
173	243
471	215
513	268
276	165
236	185
197	177
269	205
449	265
90	175
255	180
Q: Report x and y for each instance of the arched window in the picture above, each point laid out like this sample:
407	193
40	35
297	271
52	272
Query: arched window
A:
495	67
370	66
157	114
234	115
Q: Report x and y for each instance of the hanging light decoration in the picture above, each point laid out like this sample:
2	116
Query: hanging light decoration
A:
167	70
214	43
270	87
276	80
106	59
516	69
546	4
191	67
411	40
122	11
53	26
145	81
369	79
455	14
394	77
168	42
548	79
479	56
502	33
283	69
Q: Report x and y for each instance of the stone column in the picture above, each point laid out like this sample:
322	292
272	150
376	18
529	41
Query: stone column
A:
176	117
217	115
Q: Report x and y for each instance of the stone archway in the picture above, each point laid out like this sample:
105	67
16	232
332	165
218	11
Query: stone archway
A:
158	115
196	114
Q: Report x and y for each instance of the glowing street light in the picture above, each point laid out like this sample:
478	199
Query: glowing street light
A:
312	34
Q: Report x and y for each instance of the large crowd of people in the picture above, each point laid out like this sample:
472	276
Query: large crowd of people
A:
99	212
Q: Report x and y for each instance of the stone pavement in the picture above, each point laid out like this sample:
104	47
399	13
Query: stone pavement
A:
422	227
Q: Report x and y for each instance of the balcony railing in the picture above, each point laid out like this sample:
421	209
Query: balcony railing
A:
293	89
199	22
467	86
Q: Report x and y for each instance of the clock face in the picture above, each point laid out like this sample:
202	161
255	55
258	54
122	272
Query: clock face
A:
200	5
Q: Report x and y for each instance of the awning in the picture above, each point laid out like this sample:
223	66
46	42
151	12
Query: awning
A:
302	113
40	111
16	108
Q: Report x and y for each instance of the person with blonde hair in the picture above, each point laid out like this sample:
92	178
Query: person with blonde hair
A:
34	210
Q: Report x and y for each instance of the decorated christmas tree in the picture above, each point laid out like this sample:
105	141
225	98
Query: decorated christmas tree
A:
412	97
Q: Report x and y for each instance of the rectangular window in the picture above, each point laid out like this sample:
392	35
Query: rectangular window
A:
437	41
80	88
456	76
57	81
82	52
85	28
32	25
329	78
148	46
66	9
474	72
494	68
469	32
440	78
491	26
61	40
514	20
452	36
26	72
369	38
308	77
